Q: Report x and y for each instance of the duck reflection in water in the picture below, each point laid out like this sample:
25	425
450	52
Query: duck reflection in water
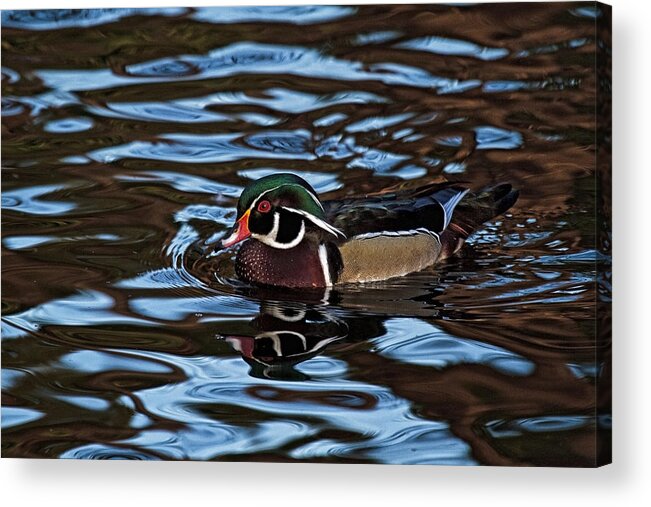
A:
286	334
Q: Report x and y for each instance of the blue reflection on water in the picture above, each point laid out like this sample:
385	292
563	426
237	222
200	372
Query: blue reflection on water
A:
493	138
445	46
283	100
183	182
552	48
213	148
17	416
378	160
588	11
363	39
504	86
104	451
68	125
93	361
589	256
377	122
417	342
26	242
299	14
252	58
387	427
165	277
158	111
585	370
454	168
86	402
85	308
50	19
27	200
330	119
542	424
177	309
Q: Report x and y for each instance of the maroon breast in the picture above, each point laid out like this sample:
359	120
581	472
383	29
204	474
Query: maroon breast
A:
295	267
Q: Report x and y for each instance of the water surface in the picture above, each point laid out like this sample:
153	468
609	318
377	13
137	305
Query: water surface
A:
127	137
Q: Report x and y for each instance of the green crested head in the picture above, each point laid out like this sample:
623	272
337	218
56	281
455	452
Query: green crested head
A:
279	210
284	189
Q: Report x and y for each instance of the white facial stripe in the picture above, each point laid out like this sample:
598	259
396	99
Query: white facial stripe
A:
318	222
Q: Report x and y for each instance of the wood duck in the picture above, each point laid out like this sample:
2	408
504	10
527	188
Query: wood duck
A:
292	239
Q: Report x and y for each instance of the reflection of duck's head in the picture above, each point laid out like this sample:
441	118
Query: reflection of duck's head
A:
292	239
288	334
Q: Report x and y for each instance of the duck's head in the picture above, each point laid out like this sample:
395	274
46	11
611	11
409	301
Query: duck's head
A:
278	210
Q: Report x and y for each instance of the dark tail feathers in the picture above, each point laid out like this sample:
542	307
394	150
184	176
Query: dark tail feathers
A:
474	210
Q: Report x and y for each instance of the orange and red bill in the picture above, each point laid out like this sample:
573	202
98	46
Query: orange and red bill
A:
240	231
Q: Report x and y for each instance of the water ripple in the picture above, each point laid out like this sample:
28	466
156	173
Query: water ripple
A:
28	200
17	416
252	58
445	46
179	309
92	361
363	39
68	125
201	109
211	148
183	182
104	451
417	342
387	425
28	242
299	14
81	309
377	122
52	19
158	112
543	424
493	138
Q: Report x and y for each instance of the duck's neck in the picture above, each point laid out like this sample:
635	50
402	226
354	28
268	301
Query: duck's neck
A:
308	264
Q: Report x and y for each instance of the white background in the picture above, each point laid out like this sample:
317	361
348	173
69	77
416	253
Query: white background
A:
626	482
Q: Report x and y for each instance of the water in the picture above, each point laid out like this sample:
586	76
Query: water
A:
128	136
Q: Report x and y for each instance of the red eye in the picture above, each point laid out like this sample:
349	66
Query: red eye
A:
264	206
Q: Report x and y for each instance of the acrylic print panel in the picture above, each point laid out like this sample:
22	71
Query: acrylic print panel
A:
342	234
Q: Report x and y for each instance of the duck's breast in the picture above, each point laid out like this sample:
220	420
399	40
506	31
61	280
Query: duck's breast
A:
299	266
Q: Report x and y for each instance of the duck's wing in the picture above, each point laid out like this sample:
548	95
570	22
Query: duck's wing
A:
426	209
475	210
395	234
